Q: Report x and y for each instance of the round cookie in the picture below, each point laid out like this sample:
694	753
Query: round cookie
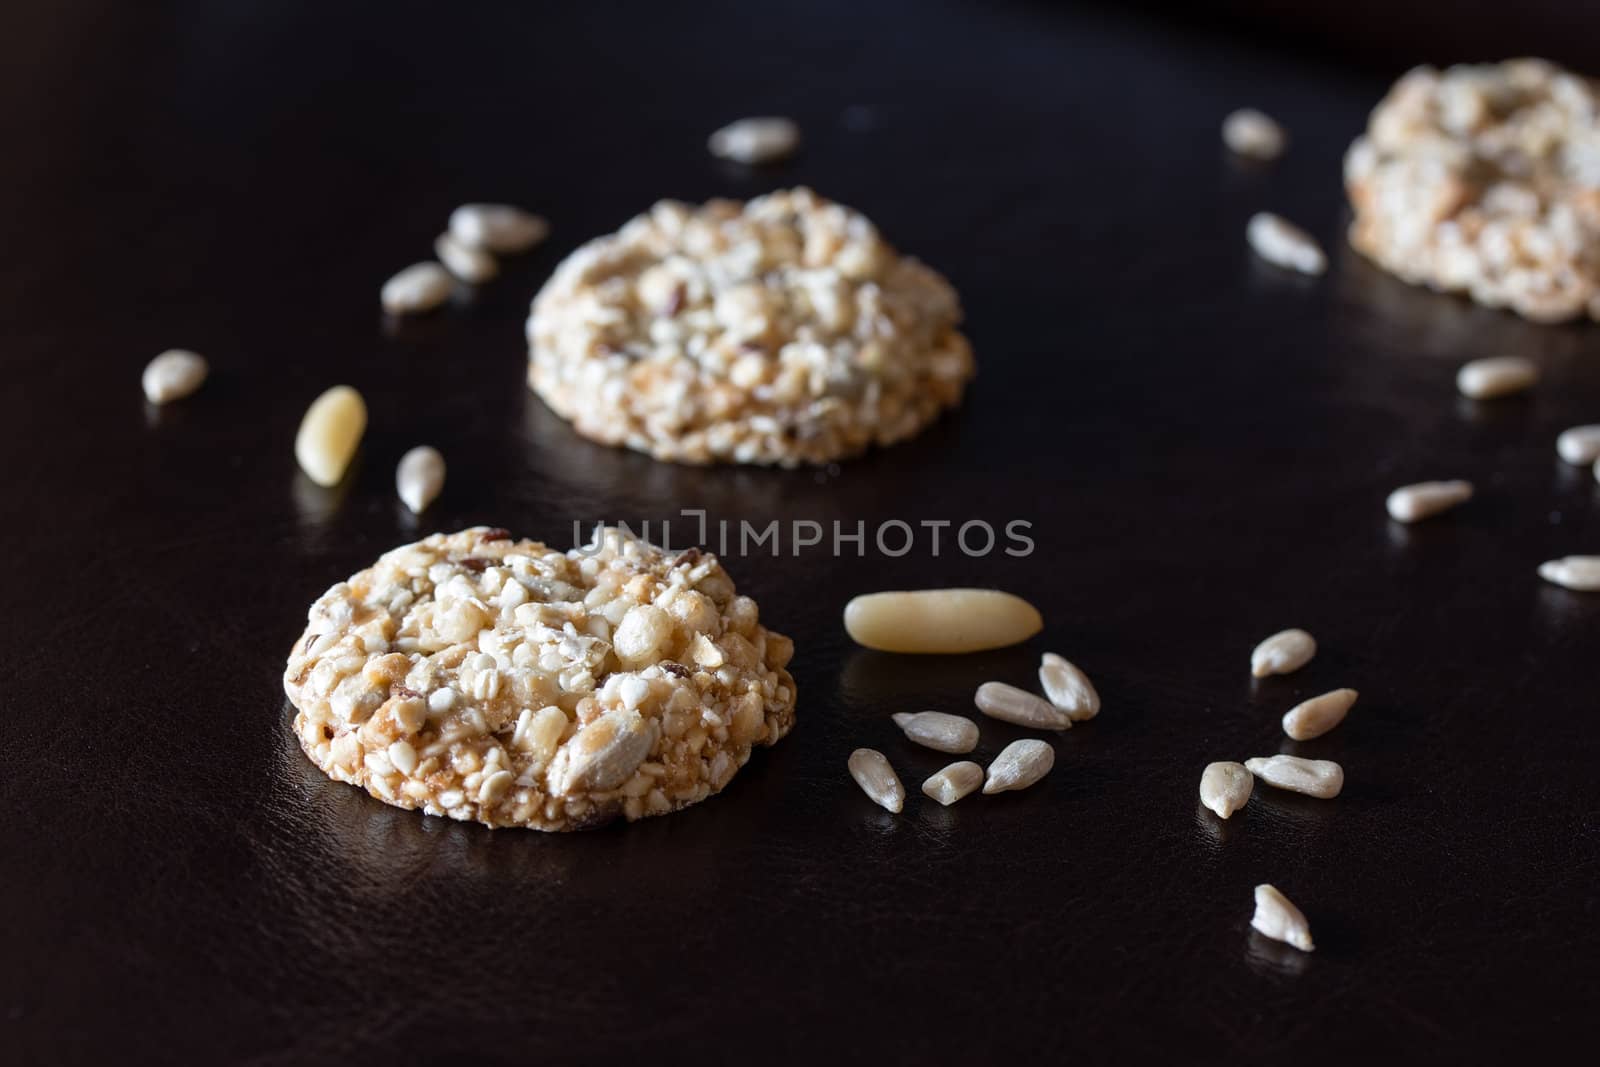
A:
779	331
1485	180
487	679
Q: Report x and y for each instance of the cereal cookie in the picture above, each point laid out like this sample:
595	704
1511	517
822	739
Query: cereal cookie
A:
478	677
781	331
1485	180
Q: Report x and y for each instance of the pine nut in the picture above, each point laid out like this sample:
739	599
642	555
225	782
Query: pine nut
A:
757	140
329	433
1413	503
420	477
953	782
420	287
472	265
173	375
1487	379
940	620
1277	918
1068	688
1251	133
938	731
1010	704
1224	787
1579	573
1282	653
1315	717
498	228
1284	244
1019	765
1319	778
1580	445
871	770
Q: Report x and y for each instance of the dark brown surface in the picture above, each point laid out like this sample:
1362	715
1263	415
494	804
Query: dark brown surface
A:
1202	444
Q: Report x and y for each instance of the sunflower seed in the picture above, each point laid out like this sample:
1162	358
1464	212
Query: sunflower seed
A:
472	265
940	620
757	140
1280	920
1315	717
953	782
1580	445
420	287
1413	503
498	228
1224	787
1010	704
603	754
1284	244
1486	379
173	375
419	477
1282	653
329	433
403	756
1068	688
938	731
1314	777
877	779
1580	573
1251	133
1019	765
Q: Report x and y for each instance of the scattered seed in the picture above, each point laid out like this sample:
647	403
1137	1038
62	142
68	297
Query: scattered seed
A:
1486	379
940	620
1068	688
1224	787
1254	134
938	731
1314	777
173	375
329	433
1283	244
1580	445
420	477
1413	503
758	140
1282	653
871	770
499	228
1010	704
953	782
1280	920
1580	573
1315	717
472	265
420	287
1019	765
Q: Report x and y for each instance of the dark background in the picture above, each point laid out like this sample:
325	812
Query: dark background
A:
1202	443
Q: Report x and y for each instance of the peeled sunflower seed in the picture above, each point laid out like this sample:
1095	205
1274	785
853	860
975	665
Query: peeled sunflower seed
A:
953	782
1068	688
1315	717
420	287
603	754
1284	244
938	731
1579	573
472	265
1319	778
329	433
499	228
1019	765
1486	379
1580	445
871	770
756	140
419	477
940	620
1010	704
1413	503
173	375
1224	787
1277	918
1254	134
1282	653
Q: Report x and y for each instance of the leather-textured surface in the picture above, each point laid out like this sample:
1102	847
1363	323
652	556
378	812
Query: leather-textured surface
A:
1201	443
